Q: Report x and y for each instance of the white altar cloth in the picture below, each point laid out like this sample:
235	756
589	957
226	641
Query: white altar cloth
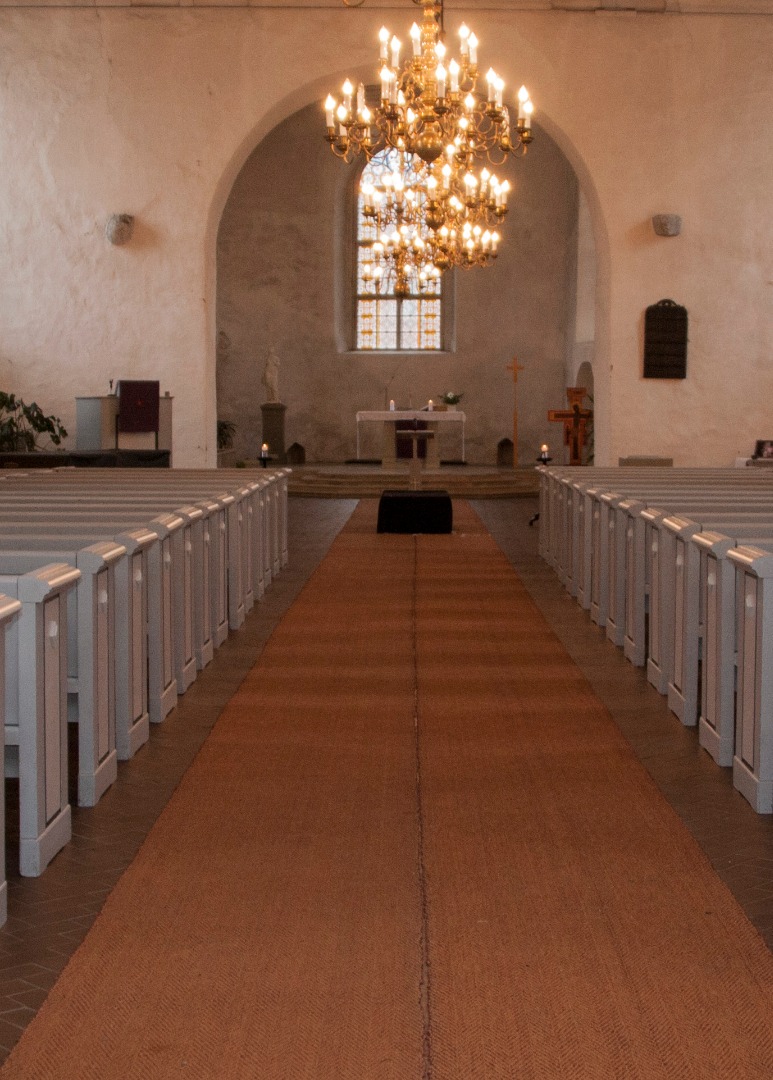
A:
430	416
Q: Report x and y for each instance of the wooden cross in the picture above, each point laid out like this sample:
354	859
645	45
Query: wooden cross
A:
575	420
515	367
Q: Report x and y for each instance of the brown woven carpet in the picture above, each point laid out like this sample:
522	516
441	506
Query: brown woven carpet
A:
415	846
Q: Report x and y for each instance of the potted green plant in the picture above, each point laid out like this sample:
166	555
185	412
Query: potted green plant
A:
451	399
23	425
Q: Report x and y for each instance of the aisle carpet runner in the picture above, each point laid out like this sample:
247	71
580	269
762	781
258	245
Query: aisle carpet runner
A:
415	846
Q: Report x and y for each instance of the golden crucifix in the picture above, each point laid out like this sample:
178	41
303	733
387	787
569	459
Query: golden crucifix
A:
515	367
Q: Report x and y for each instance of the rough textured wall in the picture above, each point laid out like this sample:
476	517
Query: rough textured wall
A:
281	248
154	112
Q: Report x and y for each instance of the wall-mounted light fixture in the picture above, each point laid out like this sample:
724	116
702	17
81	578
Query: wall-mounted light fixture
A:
119	229
667	224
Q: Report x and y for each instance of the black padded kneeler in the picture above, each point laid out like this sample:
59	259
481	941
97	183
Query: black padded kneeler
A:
415	512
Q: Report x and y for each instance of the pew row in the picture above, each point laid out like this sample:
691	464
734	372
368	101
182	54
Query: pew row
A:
36	711
9	609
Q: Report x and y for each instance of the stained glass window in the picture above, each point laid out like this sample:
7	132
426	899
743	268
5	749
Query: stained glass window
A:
385	321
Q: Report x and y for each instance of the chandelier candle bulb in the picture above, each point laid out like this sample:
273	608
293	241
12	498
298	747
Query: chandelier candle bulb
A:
416	40
440	75
453	71
396	45
523	97
491	78
330	106
472	42
383	37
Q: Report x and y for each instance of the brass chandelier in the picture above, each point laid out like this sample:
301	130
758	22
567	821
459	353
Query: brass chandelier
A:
437	205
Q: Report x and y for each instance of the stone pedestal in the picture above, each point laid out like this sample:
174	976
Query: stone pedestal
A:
274	429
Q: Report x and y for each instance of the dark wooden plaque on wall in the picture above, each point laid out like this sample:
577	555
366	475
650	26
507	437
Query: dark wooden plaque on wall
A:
665	341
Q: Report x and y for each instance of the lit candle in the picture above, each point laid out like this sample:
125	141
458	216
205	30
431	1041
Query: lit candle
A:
453	70
430	405
348	90
491	78
440	75
523	97
472	41
392	405
500	86
383	37
528	109
330	107
395	52
464	34
360	98
416	39
264	450
386	77
440	51
393	88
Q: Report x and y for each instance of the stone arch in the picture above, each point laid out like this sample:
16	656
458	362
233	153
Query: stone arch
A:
313	92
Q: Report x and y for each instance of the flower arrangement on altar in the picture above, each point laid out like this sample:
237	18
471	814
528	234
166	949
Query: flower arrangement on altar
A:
451	398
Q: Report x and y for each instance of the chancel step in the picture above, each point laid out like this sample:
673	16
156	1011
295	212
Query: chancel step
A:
365	481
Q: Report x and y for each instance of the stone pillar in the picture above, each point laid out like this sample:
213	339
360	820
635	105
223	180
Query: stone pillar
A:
274	429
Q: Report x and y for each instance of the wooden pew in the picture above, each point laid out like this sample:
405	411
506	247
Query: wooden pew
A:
36	711
717	617
162	682
91	652
753	758
666	550
8	610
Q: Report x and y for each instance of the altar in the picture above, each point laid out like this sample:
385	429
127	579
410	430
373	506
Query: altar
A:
391	421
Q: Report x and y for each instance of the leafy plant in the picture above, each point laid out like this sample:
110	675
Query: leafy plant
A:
226	429
21	425
450	398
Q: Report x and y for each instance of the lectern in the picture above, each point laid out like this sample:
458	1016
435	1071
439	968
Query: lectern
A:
96	419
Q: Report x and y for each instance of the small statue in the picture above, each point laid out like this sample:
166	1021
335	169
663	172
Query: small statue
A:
271	375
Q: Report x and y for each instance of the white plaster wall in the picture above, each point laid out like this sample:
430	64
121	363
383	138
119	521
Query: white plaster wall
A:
154	112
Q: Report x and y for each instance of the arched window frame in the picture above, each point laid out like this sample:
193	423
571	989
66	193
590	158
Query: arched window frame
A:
409	325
